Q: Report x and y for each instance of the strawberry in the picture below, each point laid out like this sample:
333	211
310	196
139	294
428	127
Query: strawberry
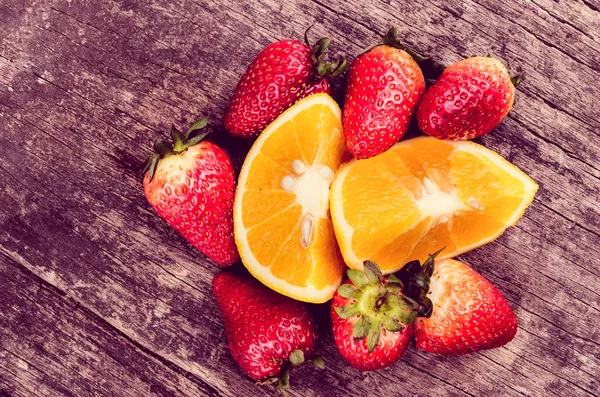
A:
460	311
469	99
371	318
267	333
191	184
384	86
281	74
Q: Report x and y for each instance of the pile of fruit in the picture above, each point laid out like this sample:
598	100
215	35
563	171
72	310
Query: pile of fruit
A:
323	189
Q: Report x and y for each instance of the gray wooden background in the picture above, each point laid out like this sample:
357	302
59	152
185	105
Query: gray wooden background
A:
98	297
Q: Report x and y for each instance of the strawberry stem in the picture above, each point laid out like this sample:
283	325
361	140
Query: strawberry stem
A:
516	80
377	302
416	278
180	143
431	68
322	68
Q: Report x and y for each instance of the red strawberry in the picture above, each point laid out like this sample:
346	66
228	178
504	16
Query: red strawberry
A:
267	332
281	74
384	87
461	312
371	318
191	185
469	99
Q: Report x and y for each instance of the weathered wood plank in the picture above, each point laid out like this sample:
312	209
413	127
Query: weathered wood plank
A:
86	86
50	345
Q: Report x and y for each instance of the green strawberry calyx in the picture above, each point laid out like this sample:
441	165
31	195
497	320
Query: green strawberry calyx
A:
378	302
415	278
321	67
295	359
516	80
180	143
432	69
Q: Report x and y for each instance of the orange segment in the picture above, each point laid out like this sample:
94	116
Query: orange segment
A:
421	195
486	185
282	224
436	237
328	254
279	153
471	227
434	157
396	251
272	201
367	208
268	237
293	263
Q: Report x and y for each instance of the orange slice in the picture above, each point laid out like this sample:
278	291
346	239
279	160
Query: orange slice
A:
282	225
424	194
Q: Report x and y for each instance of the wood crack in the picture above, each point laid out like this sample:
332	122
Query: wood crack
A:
552	352
540	38
438	378
99	320
551	304
532	260
568	153
564	21
597	234
85	189
524	89
590	6
482	354
120	261
569	261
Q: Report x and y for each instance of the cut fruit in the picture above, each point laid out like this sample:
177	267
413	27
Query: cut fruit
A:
282	224
424	194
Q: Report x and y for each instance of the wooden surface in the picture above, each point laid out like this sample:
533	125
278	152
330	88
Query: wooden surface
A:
98	297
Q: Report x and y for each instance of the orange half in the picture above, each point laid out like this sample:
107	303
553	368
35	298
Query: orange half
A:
422	195
282	223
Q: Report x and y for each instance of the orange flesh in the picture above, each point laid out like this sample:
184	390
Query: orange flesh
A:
422	195
274	215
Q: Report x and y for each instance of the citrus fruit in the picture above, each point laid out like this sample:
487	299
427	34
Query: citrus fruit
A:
282	225
422	195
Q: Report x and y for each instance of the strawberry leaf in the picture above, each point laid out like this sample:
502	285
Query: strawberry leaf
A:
339	68
393	279
516	80
178	140
429	264
162	148
361	328
284	381
198	125
152	166
318	362
391	325
373	334
349	291
357	277
195	140
297	357
372	272
347	311
425	307
393	288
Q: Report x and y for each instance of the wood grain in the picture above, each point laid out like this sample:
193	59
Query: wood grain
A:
99	297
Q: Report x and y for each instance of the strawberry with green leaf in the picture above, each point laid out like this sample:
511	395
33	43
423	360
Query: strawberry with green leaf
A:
459	310
190	183
372	319
384	87
281	74
268	333
468	100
